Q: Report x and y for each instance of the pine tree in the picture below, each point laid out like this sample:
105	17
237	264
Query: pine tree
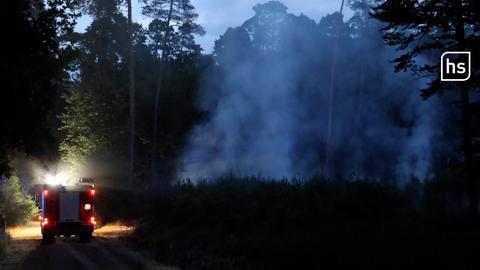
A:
171	32
131	92
420	28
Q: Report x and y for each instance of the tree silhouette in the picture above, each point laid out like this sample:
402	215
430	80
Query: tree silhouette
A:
420	28
94	119
131	92
171	32
32	72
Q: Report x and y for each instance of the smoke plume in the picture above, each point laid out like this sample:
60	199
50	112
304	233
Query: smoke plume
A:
267	98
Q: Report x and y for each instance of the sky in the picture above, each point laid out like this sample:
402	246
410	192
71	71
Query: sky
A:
217	15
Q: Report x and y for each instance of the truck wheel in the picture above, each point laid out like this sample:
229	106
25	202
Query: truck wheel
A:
85	237
48	238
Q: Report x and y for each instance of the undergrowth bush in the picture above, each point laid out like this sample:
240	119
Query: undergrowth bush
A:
15	205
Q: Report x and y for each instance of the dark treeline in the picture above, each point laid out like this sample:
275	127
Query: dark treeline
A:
78	85
259	104
281	95
167	66
33	73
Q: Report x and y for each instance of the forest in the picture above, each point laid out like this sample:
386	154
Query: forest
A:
296	142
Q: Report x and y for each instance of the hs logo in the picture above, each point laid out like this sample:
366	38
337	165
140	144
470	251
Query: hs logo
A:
455	66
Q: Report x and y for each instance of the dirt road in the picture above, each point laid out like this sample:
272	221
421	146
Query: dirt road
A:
105	251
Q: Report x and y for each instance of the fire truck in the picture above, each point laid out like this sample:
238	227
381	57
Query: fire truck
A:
67	211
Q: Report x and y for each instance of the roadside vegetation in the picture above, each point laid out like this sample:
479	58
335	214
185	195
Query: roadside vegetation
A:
3	243
258	223
15	206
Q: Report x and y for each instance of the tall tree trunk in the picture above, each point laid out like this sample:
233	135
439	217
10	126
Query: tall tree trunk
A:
467	133
163	59
153	164
326	171
131	91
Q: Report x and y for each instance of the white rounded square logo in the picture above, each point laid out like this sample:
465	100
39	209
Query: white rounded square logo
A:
455	66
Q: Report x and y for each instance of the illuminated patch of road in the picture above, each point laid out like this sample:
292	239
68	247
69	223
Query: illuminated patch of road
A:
113	230
32	231
29	231
106	251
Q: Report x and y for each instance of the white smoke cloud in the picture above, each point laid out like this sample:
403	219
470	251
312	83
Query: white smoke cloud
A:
268	110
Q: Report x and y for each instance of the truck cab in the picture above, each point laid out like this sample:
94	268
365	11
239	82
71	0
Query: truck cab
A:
67	211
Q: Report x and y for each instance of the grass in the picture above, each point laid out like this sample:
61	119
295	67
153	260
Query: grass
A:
256	223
